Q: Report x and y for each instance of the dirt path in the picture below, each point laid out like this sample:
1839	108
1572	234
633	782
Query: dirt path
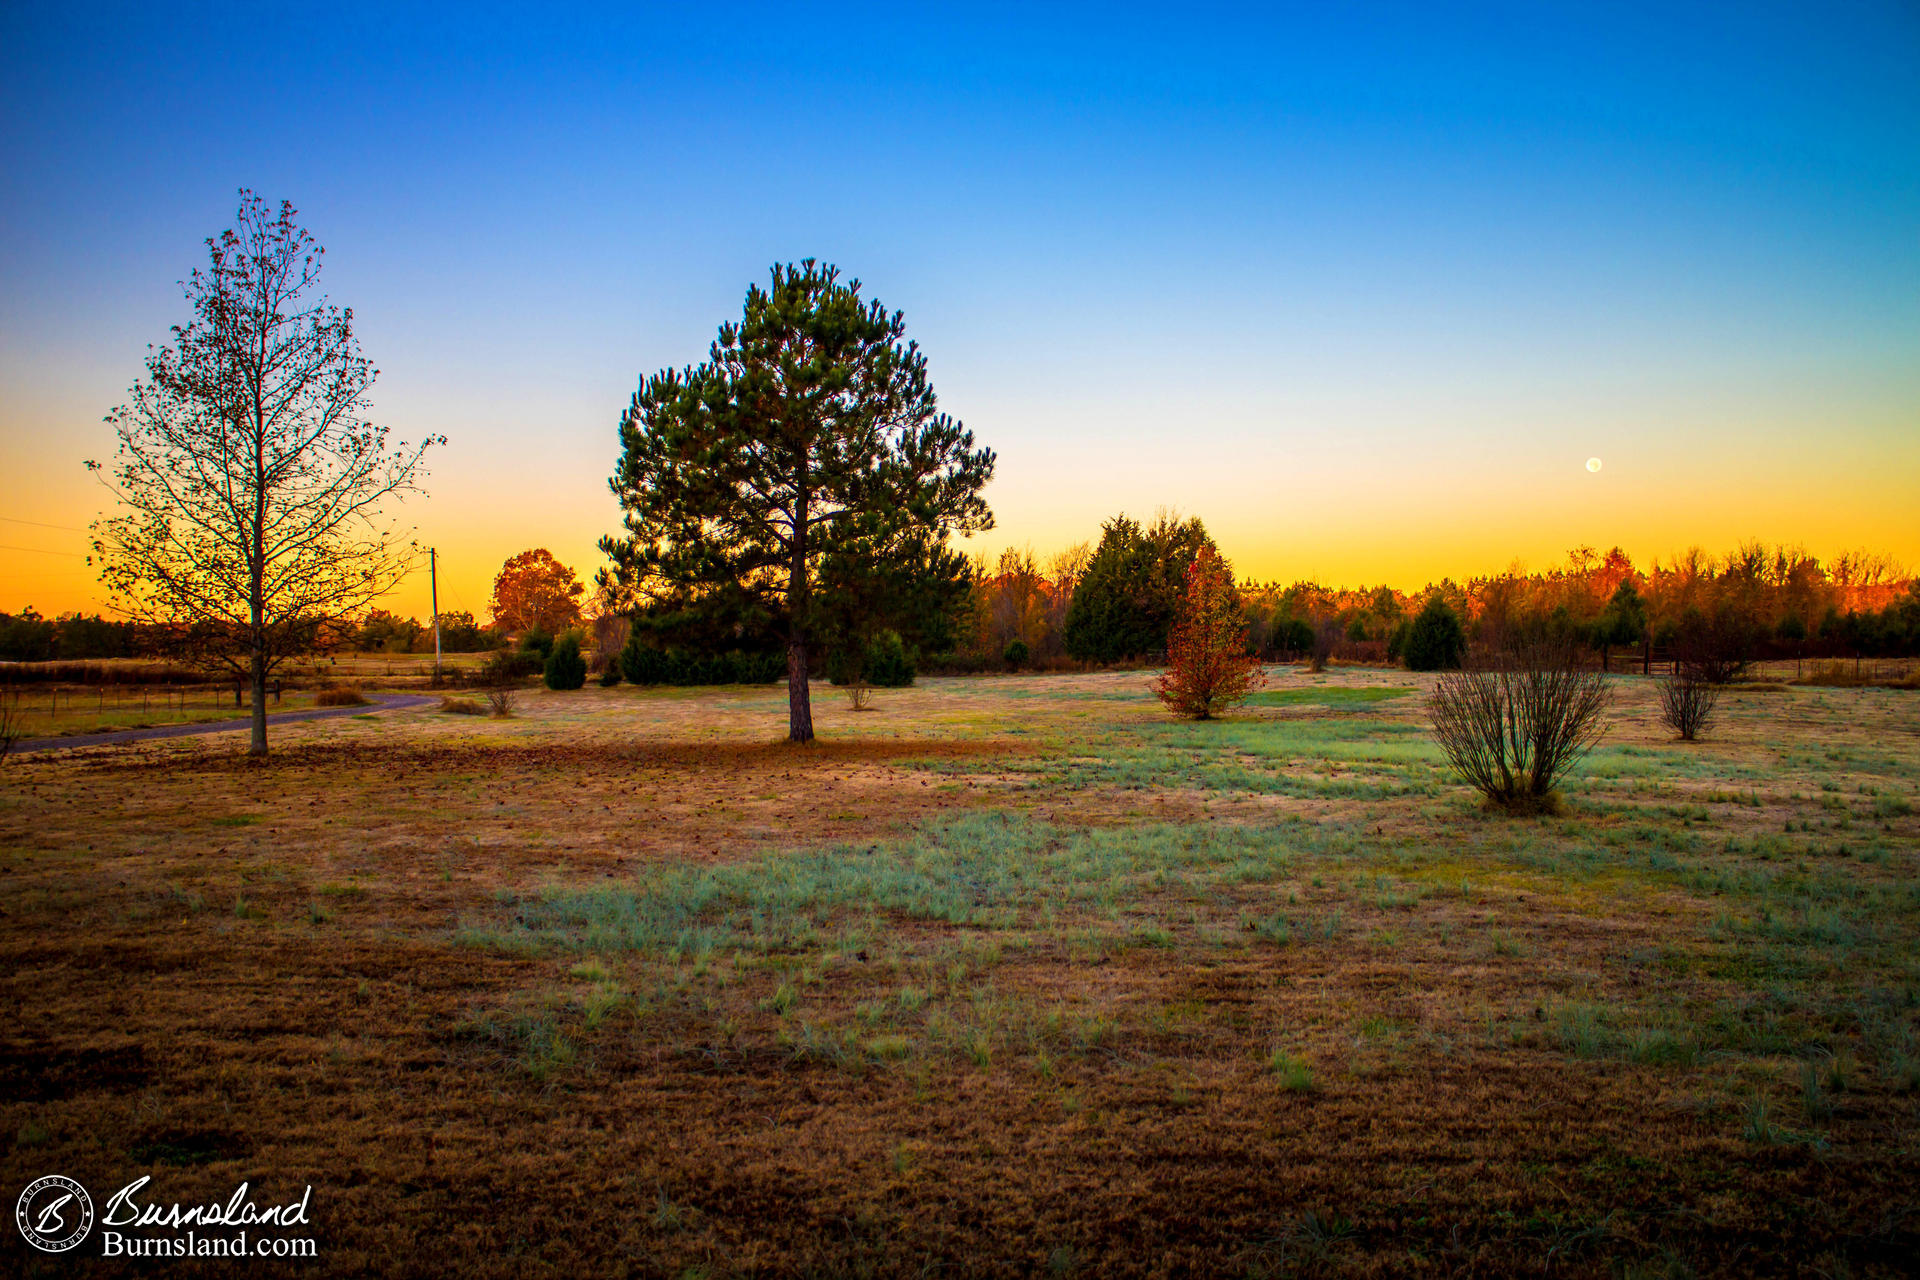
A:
378	702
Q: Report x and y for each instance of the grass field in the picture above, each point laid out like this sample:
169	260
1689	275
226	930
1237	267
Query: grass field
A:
1004	976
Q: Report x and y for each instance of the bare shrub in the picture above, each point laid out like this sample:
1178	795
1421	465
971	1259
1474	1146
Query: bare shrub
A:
1715	648
500	699
860	694
344	696
1686	703
1327	634
1514	725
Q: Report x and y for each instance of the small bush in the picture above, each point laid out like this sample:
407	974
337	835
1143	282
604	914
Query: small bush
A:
565	668
537	641
510	666
1292	636
890	663
345	696
643	664
461	707
611	676
1687	702
500	699
1016	655
1514	730
1436	641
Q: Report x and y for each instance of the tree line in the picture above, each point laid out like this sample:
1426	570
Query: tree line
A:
29	636
1114	603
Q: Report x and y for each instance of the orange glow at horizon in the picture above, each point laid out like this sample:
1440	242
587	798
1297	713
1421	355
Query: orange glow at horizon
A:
1272	523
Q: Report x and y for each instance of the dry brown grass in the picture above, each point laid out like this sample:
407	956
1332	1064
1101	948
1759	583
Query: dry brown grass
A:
226	970
343	696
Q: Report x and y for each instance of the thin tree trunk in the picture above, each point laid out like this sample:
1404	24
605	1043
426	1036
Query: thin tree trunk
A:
259	674
257	588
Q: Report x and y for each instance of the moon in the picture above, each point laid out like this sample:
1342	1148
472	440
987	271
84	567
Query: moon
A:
1593	464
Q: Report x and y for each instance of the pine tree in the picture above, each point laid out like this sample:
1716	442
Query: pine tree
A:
811	428
1622	622
1125	601
565	668
1436	641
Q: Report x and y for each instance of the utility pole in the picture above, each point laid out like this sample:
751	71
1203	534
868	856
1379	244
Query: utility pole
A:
433	590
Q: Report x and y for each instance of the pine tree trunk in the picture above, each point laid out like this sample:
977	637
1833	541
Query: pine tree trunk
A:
799	697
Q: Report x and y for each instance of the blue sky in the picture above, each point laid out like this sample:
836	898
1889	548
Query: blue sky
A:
1363	286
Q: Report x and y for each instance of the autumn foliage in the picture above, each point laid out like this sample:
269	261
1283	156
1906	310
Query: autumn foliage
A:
535	590
1208	666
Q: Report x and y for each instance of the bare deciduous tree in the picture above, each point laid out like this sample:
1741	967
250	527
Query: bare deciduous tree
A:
251	478
1513	727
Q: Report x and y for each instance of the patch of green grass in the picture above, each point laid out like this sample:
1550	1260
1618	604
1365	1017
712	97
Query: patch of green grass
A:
989	872
1294	1074
532	1043
888	1048
1328	696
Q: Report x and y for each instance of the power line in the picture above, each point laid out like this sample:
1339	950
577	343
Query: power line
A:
38	524
41	551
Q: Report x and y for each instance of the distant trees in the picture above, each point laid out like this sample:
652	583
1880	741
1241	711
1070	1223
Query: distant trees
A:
911	588
459	633
811	429
1088	605
1623	622
30	636
251	479
1208	666
533	589
1016	599
1751	604
384	632
1126	599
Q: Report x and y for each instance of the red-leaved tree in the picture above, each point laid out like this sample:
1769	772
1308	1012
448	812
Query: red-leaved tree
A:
1208	666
